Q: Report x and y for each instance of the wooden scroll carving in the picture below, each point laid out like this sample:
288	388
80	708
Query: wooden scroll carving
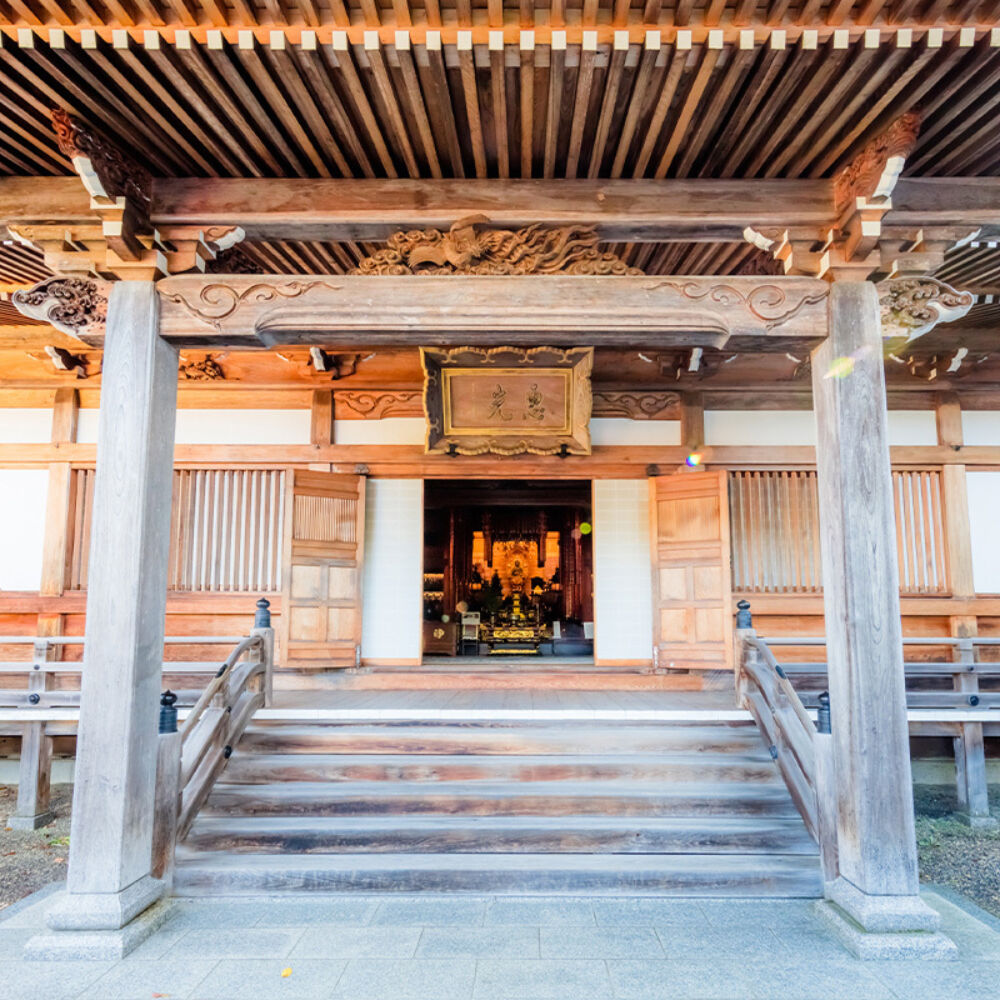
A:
508	401
912	307
359	405
470	247
636	405
206	370
74	305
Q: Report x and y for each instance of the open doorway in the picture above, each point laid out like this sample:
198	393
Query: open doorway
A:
508	570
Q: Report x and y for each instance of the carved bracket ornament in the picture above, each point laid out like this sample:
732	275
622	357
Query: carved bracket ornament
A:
77	306
206	370
470	247
912	307
507	401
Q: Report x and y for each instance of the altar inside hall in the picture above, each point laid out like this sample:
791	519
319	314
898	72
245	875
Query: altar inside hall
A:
508	569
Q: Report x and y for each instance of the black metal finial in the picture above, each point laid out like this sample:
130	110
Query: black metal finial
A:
563	450
262	619
452	450
823	713
743	616
168	712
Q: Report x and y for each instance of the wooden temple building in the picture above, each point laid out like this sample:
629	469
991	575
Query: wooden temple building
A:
541	446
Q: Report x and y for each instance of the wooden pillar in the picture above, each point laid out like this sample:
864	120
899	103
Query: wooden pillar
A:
57	509
878	884
109	879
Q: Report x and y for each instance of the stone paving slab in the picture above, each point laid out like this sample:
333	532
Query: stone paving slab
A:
361	947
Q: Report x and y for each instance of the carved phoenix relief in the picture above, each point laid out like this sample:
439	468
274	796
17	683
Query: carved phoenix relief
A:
469	247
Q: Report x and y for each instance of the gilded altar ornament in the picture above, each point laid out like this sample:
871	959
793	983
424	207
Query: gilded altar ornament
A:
471	247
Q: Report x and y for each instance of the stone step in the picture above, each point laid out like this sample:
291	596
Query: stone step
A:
519	798
756	875
498	834
508	737
258	768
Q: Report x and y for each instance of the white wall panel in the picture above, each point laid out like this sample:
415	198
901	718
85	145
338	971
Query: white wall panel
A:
391	430
23	493
984	502
981	427
622	430
224	426
760	427
392	597
623	595
912	427
25	426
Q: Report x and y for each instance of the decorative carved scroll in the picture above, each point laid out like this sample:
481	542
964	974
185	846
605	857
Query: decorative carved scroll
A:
912	307
77	306
469	247
508	401
206	370
354	405
636	405
873	173
770	303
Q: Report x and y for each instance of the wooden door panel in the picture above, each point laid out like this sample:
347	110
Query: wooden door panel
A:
691	571
324	551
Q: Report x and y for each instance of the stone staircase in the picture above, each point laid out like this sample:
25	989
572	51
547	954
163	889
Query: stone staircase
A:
511	805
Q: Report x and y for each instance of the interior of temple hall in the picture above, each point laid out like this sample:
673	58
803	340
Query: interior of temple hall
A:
508	568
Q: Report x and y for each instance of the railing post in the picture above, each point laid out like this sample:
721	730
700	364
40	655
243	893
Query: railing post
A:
826	791
744	631
262	627
35	769
970	753
168	790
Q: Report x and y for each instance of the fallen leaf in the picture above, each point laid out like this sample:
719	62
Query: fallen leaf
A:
285	973
59	861
160	996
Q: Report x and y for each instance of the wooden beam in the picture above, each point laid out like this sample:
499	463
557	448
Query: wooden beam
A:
739	313
622	210
321	418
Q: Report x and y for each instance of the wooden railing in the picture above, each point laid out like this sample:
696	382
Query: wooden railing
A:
190	759
774	527
963	710
247	668
225	530
803	752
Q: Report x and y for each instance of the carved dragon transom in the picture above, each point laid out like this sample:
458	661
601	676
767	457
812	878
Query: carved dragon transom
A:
471	247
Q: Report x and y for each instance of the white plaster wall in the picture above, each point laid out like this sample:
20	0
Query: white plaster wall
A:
981	427
912	427
798	427
25	426
224	426
23	493
391	430
760	427
623	595
984	502
622	430
392	584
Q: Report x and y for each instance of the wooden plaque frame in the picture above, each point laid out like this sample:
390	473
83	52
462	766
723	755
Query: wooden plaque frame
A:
507	400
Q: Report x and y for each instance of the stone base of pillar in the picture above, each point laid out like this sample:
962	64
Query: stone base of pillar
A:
104	911
98	945
31	822
883	927
979	822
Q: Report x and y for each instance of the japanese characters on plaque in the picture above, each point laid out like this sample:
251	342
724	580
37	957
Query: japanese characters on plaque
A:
507	400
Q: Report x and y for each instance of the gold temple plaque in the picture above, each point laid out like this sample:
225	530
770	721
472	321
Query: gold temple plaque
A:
507	400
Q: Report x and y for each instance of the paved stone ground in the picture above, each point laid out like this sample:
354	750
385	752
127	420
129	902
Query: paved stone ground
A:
498	948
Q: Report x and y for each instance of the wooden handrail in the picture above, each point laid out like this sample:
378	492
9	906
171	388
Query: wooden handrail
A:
190	760
804	756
